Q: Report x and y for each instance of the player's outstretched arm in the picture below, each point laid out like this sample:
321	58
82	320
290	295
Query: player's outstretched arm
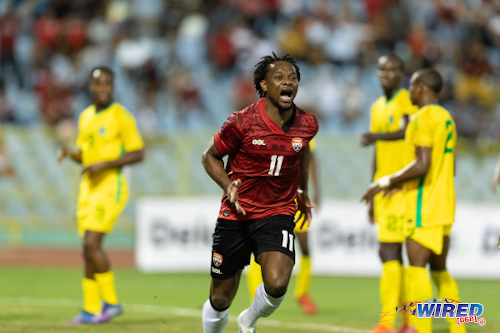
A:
214	166
67	152
303	202
415	169
127	159
370	138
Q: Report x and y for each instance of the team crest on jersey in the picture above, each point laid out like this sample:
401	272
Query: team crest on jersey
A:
297	144
102	130
217	259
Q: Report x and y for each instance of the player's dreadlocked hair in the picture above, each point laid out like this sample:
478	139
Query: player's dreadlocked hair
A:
260	72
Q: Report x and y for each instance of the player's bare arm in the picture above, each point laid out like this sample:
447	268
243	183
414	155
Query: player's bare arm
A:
127	159
68	152
371	212
370	138
415	169
214	166
303	202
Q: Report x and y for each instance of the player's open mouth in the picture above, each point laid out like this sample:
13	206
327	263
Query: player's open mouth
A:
286	96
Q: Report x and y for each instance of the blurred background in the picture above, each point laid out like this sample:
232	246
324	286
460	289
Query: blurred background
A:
182	67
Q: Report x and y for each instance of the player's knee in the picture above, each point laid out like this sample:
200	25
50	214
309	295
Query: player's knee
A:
220	300
277	286
89	247
390	253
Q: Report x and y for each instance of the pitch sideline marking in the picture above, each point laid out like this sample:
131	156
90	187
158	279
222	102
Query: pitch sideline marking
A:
144	308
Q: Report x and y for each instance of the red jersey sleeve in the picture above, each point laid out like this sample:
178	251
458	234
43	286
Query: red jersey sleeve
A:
228	139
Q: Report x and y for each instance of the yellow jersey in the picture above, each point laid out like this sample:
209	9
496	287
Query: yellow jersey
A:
107	135
431	199
386	117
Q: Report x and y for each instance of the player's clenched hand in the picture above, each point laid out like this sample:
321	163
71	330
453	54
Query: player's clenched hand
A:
373	190
94	168
63	153
304	205
367	139
391	191
232	195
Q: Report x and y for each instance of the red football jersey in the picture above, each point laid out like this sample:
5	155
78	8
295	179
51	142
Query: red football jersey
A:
265	158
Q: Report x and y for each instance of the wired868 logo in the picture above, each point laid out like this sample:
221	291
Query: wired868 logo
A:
440	308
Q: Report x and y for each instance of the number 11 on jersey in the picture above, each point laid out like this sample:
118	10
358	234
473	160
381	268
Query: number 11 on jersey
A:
273	164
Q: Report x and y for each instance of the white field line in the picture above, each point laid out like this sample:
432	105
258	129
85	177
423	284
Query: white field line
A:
144	308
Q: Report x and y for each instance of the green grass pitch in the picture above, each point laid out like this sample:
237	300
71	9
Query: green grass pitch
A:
43	299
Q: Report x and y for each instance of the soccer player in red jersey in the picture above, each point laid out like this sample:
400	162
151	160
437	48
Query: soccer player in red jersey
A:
267	168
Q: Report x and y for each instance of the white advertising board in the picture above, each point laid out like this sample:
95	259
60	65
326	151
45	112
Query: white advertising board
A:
175	235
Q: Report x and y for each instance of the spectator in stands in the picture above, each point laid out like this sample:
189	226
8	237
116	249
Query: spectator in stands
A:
9	29
54	99
46	30
221	49
244	92
6	109
293	40
145	39
475	68
187	97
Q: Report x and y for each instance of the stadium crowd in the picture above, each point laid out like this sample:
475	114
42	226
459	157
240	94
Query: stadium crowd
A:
188	64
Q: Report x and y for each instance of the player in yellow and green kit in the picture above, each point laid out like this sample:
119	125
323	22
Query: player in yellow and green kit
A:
389	118
107	140
254	276
427	182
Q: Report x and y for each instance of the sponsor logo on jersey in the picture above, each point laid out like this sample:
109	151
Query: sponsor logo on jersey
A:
217	259
440	308
216	270
297	144
258	142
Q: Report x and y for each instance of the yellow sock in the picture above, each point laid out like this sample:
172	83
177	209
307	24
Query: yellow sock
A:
304	277
106	282
420	289
91	297
390	285
254	278
403	292
447	288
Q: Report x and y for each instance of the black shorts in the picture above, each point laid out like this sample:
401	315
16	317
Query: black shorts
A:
234	242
